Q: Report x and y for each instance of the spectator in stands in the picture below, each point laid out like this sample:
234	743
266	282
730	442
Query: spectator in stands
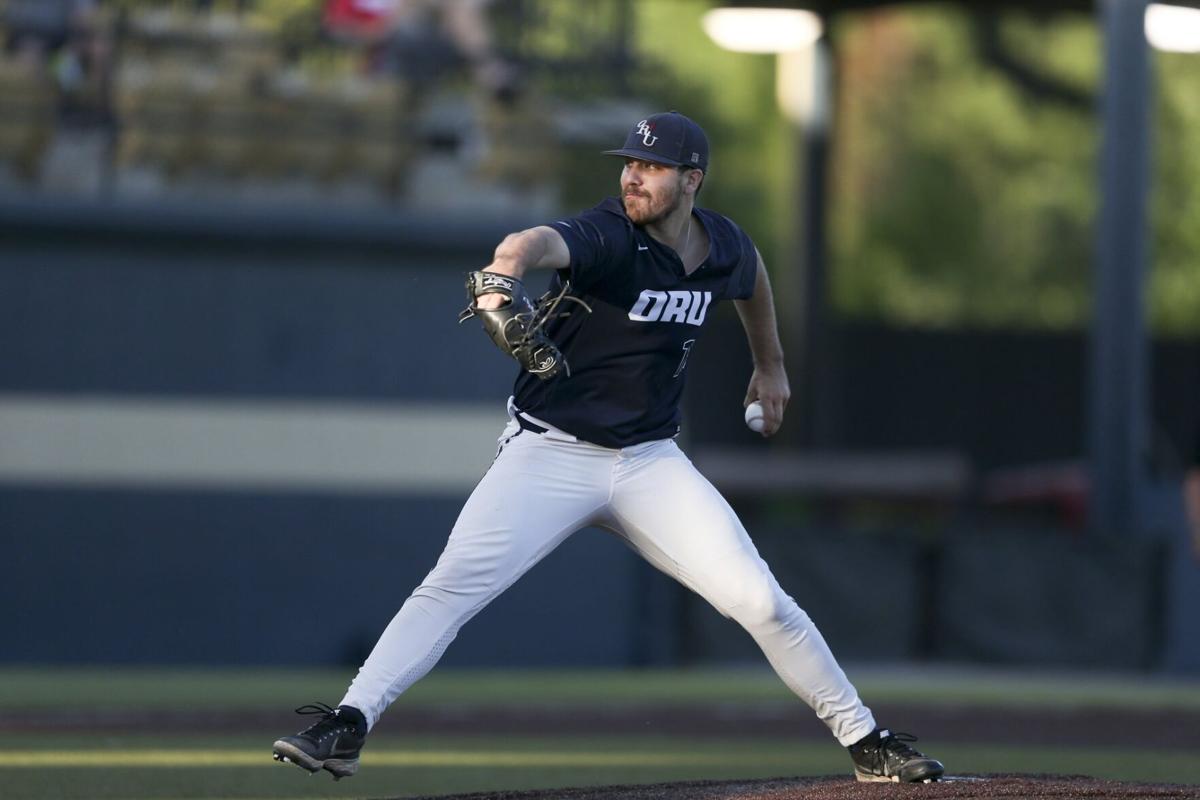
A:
61	37
36	28
81	69
424	40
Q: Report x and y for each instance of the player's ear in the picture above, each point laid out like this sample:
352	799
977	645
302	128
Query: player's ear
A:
692	179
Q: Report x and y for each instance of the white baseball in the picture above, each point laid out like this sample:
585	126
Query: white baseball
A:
754	417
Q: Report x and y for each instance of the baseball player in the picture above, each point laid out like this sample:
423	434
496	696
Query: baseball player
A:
590	442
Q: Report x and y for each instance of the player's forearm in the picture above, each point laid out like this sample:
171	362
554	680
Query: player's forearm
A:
534	248
758	319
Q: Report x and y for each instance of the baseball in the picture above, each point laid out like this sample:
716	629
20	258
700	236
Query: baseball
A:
754	417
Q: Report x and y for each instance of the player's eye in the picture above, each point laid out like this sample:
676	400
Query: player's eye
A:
644	166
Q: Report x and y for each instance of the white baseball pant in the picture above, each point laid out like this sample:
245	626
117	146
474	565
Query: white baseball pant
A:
542	488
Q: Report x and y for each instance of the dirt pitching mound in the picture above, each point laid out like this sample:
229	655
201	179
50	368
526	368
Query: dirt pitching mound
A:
842	788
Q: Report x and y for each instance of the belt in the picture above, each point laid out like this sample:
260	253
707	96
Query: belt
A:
527	425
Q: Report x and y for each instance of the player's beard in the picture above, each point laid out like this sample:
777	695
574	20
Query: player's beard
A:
649	207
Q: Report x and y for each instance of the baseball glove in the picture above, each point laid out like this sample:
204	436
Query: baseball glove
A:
517	326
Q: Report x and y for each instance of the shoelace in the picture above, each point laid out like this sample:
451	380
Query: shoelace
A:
329	718
897	745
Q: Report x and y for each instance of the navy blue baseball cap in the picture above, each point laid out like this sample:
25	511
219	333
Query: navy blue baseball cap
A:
668	138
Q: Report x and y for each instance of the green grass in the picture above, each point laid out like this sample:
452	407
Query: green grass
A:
40	766
164	689
191	767
395	767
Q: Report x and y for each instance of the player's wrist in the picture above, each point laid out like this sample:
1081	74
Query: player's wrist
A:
518	253
771	363
507	266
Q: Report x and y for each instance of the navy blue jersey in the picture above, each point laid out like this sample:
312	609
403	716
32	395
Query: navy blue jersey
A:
628	358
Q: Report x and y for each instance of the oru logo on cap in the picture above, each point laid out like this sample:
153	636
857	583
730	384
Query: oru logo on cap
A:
647	132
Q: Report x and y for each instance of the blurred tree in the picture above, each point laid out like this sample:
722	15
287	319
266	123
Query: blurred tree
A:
959	198
1175	242
965	172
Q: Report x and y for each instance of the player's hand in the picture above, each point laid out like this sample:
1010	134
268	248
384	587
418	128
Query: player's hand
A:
769	386
490	301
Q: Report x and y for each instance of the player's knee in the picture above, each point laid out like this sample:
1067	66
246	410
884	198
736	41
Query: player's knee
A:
454	584
761	605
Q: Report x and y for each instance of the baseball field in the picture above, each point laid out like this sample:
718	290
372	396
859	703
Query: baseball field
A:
122	733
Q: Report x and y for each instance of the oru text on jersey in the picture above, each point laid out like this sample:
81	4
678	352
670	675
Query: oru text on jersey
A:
629	357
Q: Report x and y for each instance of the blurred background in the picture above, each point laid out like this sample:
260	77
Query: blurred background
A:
233	237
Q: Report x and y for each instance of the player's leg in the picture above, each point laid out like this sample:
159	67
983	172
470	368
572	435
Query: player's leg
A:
536	493
532	498
675	518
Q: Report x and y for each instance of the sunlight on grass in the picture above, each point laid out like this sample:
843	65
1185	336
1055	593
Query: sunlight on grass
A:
181	689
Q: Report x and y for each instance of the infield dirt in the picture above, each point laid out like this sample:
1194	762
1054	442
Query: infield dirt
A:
1034	787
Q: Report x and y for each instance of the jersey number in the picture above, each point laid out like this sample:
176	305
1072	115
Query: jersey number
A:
687	350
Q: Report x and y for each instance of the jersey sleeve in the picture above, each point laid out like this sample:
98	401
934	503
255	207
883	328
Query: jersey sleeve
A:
595	239
745	272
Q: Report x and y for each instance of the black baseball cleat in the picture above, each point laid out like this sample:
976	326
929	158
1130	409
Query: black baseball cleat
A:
887	756
332	743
